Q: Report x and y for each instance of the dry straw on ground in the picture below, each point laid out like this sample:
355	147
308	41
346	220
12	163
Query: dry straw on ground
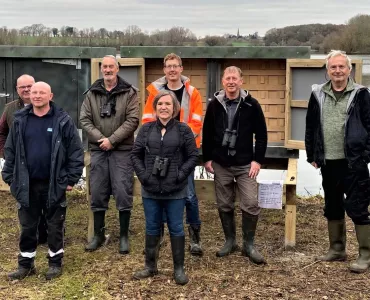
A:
106	274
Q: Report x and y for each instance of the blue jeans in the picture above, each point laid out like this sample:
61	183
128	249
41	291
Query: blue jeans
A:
154	209
191	204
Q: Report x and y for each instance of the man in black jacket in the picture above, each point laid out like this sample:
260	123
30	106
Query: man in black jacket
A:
44	159
338	141
231	120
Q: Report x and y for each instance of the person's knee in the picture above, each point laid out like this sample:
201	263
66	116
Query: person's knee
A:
176	229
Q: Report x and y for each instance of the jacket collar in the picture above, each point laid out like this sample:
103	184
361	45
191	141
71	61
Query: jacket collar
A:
98	86
220	96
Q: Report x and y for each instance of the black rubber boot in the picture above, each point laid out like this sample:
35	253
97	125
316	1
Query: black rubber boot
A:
178	256
99	231
53	272
228	225
363	261
124	223
22	273
249	225
337	242
194	235
151	257
161	238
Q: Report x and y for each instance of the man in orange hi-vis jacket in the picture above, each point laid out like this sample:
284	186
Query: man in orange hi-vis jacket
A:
191	114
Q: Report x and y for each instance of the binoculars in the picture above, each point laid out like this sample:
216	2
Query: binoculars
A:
160	166
229	138
106	110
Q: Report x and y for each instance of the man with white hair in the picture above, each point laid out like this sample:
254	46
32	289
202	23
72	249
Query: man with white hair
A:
338	141
110	116
44	159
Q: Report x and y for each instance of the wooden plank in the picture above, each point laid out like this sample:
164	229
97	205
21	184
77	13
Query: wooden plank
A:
288	95
294	144
291	176
90	226
263	87
291	204
358	66
95	68
271	101
299	103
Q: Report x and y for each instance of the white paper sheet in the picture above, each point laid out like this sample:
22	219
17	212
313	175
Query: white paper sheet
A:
270	194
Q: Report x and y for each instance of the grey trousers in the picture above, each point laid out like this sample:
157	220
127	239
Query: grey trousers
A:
111	173
230	178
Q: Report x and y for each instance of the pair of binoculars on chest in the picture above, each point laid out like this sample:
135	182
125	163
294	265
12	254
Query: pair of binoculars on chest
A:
229	138
160	167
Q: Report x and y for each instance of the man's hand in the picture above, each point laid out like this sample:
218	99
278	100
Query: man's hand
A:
315	165
105	144
208	166
255	169
69	188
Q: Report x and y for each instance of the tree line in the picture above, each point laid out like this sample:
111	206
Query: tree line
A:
40	35
352	37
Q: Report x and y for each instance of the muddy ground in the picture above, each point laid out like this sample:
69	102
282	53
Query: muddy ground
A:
106	274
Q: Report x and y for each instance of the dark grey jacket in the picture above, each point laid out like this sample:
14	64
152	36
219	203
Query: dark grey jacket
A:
357	127
67	157
119	128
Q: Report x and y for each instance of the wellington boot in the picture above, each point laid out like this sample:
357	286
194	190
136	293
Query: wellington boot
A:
249	225
228	225
99	232
151	258
363	261
337	241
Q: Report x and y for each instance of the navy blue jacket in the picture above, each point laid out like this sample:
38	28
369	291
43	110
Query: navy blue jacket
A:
67	157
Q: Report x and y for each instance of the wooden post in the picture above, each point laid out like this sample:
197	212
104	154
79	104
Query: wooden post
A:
291	204
90	227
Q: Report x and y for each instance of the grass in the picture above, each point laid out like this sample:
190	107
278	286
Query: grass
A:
105	274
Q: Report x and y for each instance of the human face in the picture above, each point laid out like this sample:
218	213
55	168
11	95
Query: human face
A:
24	84
338	70
232	83
41	95
109	69
172	70
164	108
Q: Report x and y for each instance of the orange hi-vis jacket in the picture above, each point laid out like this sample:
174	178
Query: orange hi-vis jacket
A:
191	105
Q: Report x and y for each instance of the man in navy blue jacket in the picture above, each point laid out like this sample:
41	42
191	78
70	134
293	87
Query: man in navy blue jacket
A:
44	159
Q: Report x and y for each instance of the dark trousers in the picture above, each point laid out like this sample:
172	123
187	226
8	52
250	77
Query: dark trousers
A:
29	218
111	173
339	180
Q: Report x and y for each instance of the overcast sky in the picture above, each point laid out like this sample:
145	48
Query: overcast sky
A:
213	17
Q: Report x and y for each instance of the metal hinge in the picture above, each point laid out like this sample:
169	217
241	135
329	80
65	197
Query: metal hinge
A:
70	62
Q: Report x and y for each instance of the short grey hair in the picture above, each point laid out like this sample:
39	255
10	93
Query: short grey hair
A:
334	53
113	57
175	102
233	69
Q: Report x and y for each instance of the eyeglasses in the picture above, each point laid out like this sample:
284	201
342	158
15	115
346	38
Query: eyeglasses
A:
172	67
23	87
